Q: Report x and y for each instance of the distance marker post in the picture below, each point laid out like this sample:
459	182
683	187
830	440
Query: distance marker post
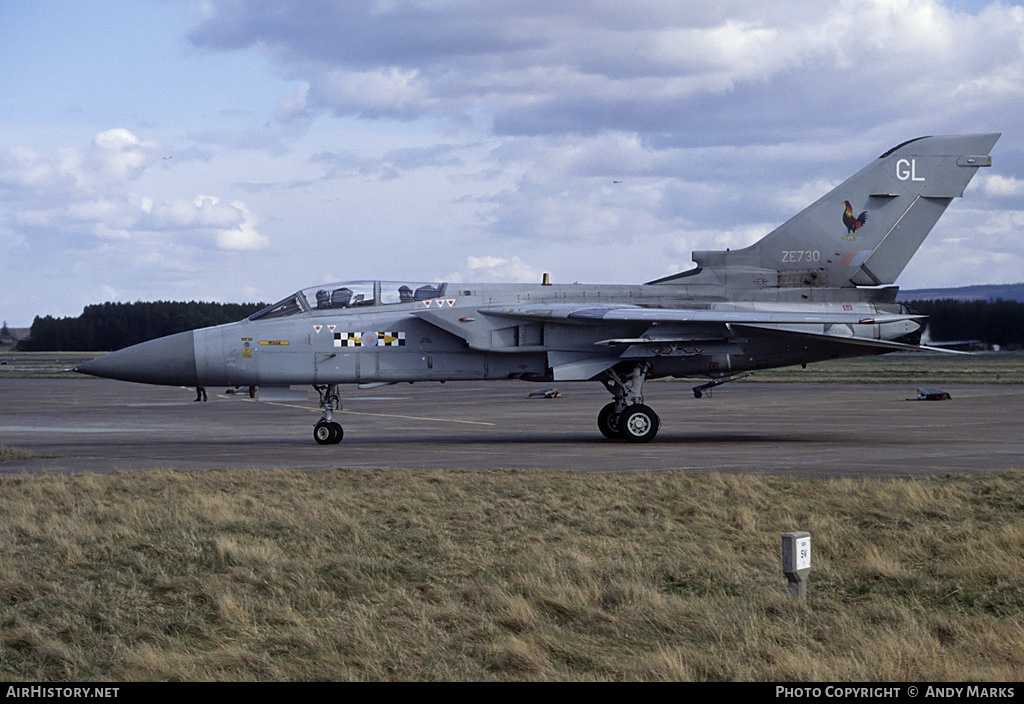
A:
796	562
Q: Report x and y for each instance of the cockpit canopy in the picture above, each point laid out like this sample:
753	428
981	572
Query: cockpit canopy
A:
350	294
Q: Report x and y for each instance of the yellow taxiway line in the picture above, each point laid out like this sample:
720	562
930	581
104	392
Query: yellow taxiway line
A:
361	413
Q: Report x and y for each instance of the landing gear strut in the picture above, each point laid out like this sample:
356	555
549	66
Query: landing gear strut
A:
627	417
327	431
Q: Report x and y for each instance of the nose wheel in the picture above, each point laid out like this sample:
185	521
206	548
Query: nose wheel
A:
328	432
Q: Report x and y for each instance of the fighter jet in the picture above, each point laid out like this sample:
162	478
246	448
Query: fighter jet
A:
820	286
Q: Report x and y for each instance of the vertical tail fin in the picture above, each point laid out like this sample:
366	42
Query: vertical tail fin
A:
864	231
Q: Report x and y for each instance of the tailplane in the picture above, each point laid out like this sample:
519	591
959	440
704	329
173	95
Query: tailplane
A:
864	231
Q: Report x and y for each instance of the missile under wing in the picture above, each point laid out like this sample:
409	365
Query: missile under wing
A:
820	286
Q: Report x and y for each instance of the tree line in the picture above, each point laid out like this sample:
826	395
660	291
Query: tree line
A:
111	326
997	322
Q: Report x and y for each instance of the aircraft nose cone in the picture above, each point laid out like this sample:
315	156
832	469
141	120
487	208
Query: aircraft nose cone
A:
167	360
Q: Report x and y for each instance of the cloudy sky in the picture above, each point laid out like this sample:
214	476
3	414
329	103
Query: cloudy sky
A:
237	150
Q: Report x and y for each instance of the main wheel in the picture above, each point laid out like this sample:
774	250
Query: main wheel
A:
608	422
337	433
639	423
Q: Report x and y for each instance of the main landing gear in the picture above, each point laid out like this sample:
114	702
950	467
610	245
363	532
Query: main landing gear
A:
627	417
328	431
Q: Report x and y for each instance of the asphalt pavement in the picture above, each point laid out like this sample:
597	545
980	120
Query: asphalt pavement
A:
810	430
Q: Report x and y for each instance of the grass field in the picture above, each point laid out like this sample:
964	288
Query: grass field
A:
395	575
908	368
41	365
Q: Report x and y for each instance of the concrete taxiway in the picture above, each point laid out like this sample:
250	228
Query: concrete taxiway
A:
812	430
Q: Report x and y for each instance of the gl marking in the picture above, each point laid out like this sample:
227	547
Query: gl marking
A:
906	169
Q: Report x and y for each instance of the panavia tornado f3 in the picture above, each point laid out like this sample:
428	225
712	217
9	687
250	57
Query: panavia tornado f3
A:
818	287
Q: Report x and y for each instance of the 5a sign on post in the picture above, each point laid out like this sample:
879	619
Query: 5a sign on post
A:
796	561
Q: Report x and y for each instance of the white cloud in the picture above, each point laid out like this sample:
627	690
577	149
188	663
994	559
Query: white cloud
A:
1003	186
92	190
33	218
114	158
118	155
243	235
201	212
295	106
383	91
501	269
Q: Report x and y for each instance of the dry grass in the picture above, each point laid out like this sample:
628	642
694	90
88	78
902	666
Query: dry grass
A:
907	368
8	454
41	365
394	575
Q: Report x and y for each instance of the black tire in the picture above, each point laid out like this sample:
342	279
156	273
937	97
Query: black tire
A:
608	422
337	433
639	423
324	433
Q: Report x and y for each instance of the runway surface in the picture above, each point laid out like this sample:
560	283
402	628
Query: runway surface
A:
811	430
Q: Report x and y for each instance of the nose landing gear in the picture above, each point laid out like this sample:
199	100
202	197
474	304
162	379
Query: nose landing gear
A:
327	431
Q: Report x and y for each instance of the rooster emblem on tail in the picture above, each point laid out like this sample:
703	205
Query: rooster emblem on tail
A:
852	223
